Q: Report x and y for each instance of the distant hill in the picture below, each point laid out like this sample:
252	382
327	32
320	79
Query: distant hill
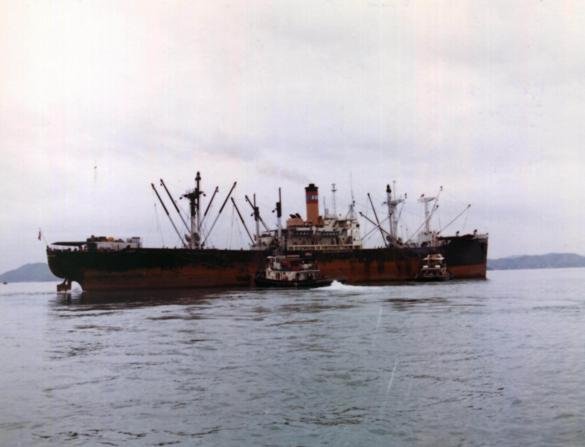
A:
548	261
39	271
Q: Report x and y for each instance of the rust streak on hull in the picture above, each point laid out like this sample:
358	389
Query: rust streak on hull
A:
157	278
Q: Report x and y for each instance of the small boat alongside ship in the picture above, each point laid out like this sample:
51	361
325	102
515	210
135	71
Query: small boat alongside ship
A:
433	268
298	271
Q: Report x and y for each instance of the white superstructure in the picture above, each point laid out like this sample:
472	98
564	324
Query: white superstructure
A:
112	244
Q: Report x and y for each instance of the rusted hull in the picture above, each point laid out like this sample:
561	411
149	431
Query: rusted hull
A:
150	268
474	271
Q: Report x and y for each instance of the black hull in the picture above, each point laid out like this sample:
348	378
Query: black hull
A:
164	268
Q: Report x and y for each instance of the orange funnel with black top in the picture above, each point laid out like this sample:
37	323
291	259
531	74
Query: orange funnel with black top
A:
312	199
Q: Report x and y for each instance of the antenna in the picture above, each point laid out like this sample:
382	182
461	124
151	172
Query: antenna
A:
351	187
333	203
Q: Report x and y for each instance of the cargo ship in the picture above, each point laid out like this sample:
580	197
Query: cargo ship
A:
334	241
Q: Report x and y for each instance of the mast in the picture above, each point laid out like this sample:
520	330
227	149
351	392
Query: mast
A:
256	210
198	201
392	203
428	235
427	213
256	218
390	210
279	215
194	207
351	210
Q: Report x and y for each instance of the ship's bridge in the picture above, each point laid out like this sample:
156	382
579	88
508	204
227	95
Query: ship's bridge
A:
320	233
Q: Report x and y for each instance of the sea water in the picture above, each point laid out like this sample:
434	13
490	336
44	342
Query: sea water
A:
496	362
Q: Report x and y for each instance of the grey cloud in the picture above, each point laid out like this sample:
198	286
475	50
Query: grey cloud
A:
482	97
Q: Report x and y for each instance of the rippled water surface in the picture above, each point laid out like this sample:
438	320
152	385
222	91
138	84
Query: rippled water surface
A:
497	362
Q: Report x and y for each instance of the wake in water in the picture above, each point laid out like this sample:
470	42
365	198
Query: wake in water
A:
336	286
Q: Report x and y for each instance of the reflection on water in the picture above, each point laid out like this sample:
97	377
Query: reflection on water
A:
449	364
406	303
138	298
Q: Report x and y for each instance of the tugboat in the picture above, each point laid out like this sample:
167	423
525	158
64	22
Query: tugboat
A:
291	271
434	268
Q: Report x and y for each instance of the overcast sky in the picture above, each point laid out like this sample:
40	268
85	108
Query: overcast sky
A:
98	99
